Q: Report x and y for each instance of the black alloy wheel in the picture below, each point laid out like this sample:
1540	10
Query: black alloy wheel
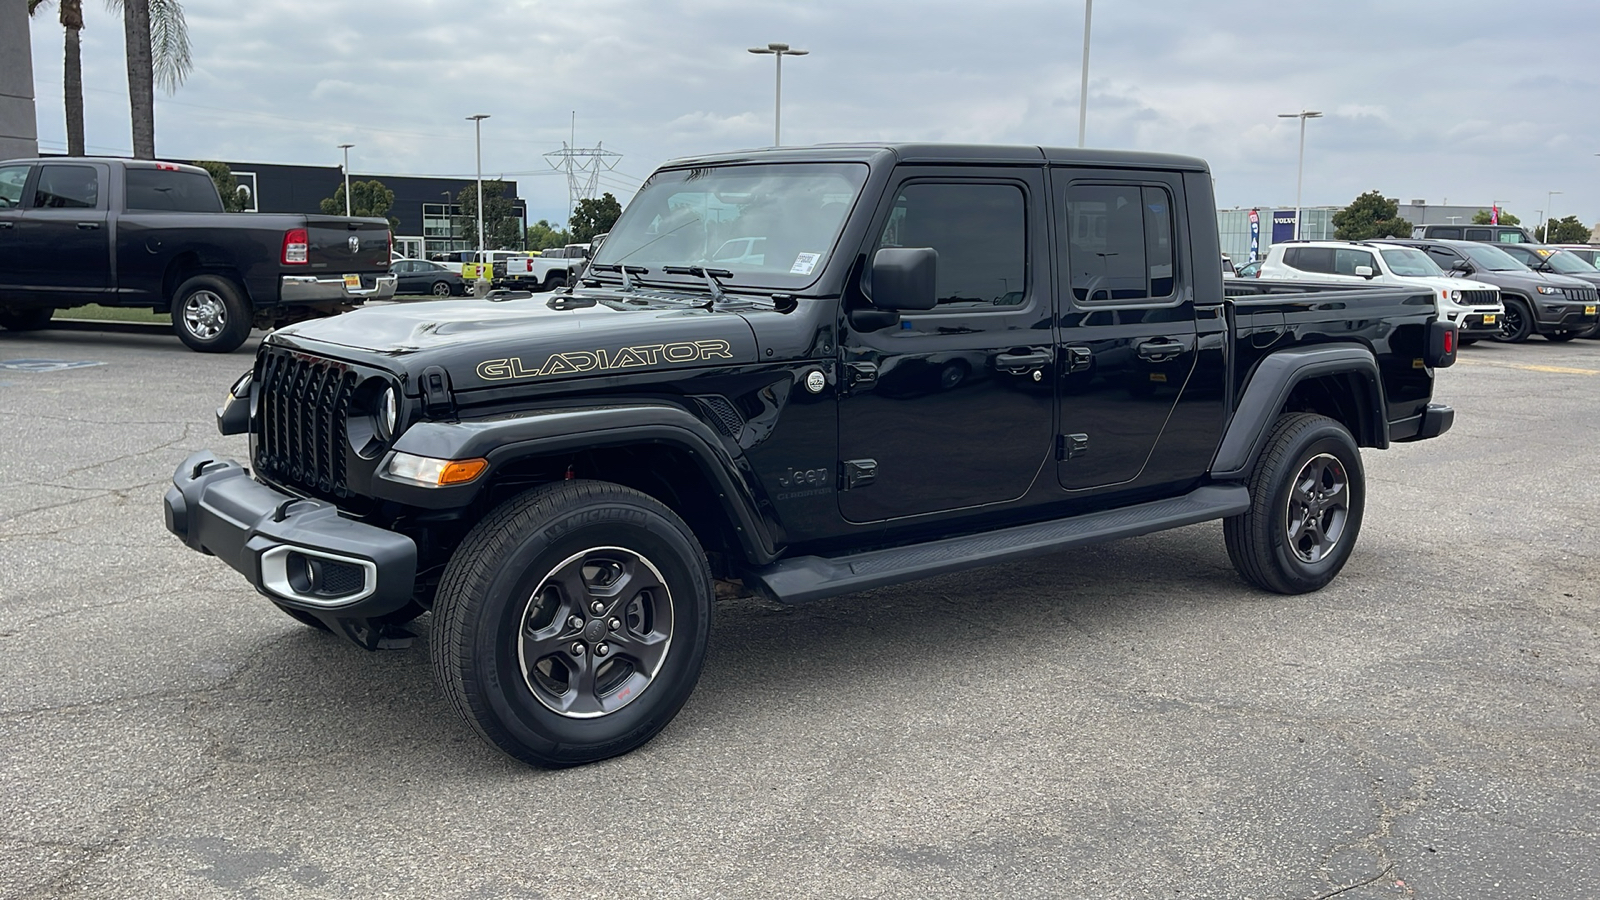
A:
1516	323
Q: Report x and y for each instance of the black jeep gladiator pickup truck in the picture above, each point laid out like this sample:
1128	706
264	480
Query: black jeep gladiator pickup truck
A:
123	232
926	358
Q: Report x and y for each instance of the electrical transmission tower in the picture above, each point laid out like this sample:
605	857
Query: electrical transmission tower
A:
583	166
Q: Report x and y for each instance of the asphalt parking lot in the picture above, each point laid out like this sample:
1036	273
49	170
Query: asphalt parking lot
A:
1128	720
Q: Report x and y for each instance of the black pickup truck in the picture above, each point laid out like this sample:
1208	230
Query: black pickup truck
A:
924	358
120	232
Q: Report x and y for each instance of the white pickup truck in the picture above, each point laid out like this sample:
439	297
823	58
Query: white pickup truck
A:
550	270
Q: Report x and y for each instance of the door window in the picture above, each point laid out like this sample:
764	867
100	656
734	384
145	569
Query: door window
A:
1444	257
1119	243
1453	234
1310	259
1345	261
980	232
67	187
12	179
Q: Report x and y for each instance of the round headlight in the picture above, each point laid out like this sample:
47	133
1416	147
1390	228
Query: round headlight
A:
389	412
1455	296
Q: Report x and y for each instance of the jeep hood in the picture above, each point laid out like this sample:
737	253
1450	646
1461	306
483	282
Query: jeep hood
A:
546	337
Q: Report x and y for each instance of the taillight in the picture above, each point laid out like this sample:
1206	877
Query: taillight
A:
1441	350
294	247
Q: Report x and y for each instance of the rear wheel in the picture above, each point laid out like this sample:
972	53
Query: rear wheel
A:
572	622
441	289
210	314
1516	323
1307	493
555	281
26	319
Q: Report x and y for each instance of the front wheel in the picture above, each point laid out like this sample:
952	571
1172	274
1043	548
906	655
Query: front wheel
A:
1516	323
571	624
1307	493
26	319
210	314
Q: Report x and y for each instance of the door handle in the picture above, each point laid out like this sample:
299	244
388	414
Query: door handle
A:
1016	363
88	226
1159	350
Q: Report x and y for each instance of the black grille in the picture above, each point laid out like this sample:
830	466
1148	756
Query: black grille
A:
1585	295
340	578
300	421
1475	298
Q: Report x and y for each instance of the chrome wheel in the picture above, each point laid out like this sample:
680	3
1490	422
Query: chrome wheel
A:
1317	509
204	314
441	289
595	632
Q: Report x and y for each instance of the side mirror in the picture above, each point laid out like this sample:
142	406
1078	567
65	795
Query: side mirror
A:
1364	272
1461	266
904	277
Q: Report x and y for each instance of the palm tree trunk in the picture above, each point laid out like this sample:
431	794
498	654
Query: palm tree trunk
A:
72	75
141	76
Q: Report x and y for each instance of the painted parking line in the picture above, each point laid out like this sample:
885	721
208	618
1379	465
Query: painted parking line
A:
1554	370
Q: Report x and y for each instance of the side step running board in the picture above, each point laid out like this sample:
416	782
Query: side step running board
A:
806	578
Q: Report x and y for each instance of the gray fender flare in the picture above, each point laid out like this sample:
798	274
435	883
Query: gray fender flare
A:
1269	387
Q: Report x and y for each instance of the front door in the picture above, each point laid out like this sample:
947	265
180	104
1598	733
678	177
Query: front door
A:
952	408
62	234
13	179
1127	329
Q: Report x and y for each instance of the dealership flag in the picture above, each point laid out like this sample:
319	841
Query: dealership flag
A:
1494	215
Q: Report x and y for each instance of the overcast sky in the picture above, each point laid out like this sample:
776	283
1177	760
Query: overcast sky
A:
1469	101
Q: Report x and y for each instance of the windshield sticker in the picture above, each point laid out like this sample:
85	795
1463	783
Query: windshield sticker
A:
804	263
580	361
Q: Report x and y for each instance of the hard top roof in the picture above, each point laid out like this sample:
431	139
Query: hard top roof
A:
952	154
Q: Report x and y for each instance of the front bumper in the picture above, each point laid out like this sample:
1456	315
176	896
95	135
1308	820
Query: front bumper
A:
336	288
299	552
1565	317
1479	325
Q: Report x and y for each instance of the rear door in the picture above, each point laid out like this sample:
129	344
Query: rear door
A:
63	244
1128	334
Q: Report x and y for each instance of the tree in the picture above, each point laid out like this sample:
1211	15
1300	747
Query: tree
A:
234	197
542	236
1371	215
1563	231
594	217
72	70
157	42
502	230
367	198
1482	217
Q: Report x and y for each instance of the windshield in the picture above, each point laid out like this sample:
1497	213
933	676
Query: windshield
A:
769	225
1410	262
1567	264
1492	258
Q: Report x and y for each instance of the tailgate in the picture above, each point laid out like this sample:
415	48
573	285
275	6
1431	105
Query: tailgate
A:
344	245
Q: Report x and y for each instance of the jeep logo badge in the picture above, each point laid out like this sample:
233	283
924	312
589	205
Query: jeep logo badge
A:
815	381
355	244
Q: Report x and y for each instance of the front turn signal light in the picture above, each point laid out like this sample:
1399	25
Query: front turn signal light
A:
429	472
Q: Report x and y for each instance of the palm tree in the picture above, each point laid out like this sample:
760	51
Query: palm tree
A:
72	75
157	42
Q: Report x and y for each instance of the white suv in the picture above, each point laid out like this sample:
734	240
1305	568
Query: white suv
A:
1475	307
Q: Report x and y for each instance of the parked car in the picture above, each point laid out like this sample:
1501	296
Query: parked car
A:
455	259
1250	269
1474	306
1589	253
1491	234
551	269
139	233
421	276
1228	271
1558	307
1557	261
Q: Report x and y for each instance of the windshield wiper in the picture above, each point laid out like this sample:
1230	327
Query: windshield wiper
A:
710	275
627	272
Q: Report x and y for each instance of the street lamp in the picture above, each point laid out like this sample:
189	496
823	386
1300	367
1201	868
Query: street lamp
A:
477	130
1083	82
1548	214
778	52
1300	170
346	149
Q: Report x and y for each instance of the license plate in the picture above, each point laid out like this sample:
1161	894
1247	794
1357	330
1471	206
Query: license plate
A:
1588	310
1489	319
352	281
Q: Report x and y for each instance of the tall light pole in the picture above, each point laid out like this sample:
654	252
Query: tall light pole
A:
477	130
1083	82
346	149
1300	170
778	52
1548	214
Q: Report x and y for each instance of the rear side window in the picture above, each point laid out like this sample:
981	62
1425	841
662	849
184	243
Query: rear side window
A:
1450	234
1120	242
1310	259
67	187
980	232
163	190
1479	234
